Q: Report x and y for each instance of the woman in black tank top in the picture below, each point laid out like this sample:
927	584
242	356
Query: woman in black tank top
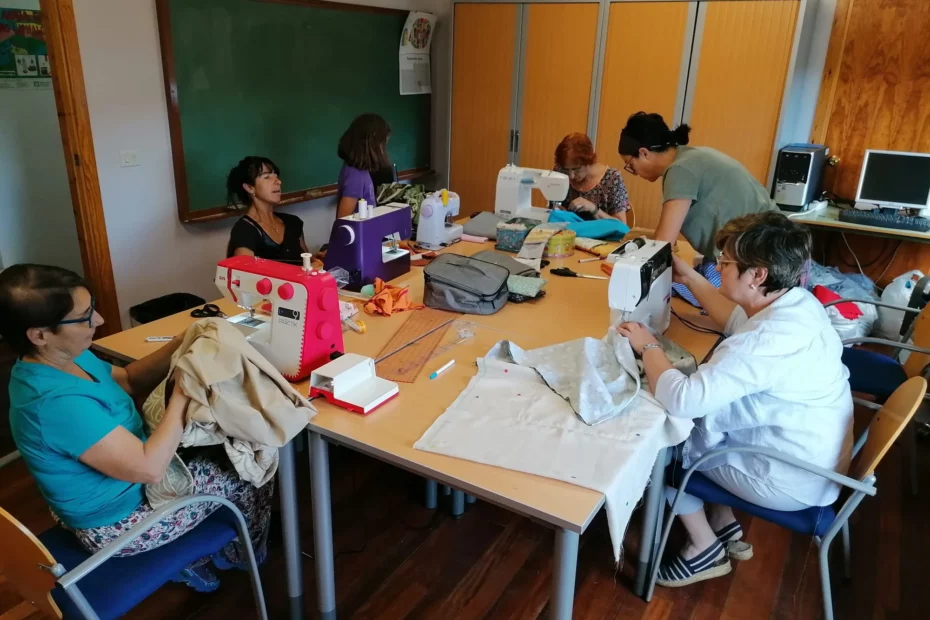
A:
254	184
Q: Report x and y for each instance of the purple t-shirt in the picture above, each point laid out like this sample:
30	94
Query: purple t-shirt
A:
355	183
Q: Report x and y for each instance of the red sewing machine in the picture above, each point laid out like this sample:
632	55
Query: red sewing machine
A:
301	330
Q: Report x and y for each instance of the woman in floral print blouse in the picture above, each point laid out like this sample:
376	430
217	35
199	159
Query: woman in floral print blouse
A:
597	190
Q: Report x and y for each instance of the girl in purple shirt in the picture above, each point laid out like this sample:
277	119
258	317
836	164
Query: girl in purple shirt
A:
363	149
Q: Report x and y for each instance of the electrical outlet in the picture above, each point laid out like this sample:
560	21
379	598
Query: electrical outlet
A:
127	159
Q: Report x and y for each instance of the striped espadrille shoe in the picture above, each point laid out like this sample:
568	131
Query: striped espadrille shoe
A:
730	536
710	563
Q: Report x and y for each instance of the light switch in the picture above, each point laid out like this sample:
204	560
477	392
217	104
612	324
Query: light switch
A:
128	159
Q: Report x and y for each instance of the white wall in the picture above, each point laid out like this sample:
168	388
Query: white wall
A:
152	252
36	217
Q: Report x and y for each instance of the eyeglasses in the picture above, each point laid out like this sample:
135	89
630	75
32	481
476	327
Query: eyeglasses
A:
629	167
89	318
721	261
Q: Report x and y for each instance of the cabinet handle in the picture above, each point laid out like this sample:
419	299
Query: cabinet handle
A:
510	148
516	146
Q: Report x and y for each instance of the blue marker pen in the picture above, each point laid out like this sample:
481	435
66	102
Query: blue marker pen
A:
445	367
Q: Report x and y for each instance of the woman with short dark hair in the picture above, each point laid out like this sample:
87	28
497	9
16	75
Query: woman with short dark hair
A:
777	381
75	423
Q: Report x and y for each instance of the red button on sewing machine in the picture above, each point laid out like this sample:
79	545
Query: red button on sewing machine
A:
263	286
329	299
324	331
285	291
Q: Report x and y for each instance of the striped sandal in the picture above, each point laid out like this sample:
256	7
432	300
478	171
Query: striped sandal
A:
730	536
710	563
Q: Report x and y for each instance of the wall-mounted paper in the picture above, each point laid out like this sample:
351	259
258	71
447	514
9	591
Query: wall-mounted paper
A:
414	54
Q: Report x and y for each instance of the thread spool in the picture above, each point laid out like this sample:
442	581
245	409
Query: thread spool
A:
308	265
560	245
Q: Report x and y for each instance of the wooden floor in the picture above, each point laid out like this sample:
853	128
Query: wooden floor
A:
397	560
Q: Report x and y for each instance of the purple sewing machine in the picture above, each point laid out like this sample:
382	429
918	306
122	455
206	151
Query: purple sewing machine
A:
367	247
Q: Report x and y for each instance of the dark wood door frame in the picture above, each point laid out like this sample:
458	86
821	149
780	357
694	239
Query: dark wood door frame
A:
80	160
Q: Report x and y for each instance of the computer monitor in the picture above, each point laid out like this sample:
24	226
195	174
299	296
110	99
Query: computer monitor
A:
895	179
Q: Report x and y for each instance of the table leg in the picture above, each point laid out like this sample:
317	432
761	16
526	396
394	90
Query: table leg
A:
458	503
655	495
290	524
431	489
564	565
322	526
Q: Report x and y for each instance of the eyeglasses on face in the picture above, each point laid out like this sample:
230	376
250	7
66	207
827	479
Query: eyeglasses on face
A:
89	318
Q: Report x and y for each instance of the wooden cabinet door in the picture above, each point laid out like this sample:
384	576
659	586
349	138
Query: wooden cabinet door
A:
484	40
638	76
560	41
742	65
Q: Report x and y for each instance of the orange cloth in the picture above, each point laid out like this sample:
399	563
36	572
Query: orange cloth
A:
389	299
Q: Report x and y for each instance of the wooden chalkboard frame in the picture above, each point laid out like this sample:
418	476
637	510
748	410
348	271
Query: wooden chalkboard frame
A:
163	13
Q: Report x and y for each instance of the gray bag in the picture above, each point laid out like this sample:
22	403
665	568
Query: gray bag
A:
483	225
515	267
464	284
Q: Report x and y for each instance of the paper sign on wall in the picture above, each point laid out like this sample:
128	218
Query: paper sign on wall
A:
23	52
414	54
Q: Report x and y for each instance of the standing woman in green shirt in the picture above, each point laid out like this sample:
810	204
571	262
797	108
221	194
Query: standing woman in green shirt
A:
702	188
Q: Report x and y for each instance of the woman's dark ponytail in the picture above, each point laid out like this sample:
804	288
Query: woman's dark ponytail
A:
679	136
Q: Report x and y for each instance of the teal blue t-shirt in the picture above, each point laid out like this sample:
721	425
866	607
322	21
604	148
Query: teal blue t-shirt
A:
55	418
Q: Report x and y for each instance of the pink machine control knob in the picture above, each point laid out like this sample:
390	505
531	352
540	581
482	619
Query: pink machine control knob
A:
324	331
286	291
263	286
329	299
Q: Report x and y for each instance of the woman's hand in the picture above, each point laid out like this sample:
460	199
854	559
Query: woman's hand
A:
683	272
638	335
582	205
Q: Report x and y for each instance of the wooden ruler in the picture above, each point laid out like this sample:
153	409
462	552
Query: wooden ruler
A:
405	355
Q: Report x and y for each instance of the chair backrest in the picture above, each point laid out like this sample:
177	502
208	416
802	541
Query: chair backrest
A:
22	556
917	362
887	424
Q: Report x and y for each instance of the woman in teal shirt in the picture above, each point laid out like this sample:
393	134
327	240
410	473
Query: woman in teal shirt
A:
75	423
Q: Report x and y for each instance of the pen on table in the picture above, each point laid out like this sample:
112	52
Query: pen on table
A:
444	368
159	338
590	260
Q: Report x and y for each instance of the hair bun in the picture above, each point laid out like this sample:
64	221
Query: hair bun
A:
679	135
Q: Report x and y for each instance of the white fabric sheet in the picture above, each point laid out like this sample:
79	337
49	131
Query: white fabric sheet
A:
509	417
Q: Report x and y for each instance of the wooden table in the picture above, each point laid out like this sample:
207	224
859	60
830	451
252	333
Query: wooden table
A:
572	308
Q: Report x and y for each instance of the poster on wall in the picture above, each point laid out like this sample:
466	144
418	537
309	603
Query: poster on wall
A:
23	52
414	54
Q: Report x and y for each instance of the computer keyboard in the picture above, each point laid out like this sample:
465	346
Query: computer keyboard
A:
885	220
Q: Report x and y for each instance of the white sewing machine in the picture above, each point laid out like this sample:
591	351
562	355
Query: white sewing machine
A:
640	287
515	192
436	228
301	328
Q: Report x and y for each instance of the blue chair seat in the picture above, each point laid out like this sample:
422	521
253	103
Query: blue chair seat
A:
873	373
814	521
121	583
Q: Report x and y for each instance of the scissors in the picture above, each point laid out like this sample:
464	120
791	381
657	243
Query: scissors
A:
208	310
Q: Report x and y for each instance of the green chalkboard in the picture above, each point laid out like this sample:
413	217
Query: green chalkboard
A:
283	79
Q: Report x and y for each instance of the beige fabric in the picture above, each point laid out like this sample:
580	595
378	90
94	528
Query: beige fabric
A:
238	399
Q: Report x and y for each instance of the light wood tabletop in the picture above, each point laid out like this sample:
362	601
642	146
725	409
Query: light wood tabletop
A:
829	217
572	308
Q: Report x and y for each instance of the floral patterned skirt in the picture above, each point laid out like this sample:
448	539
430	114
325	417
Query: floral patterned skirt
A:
210	477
